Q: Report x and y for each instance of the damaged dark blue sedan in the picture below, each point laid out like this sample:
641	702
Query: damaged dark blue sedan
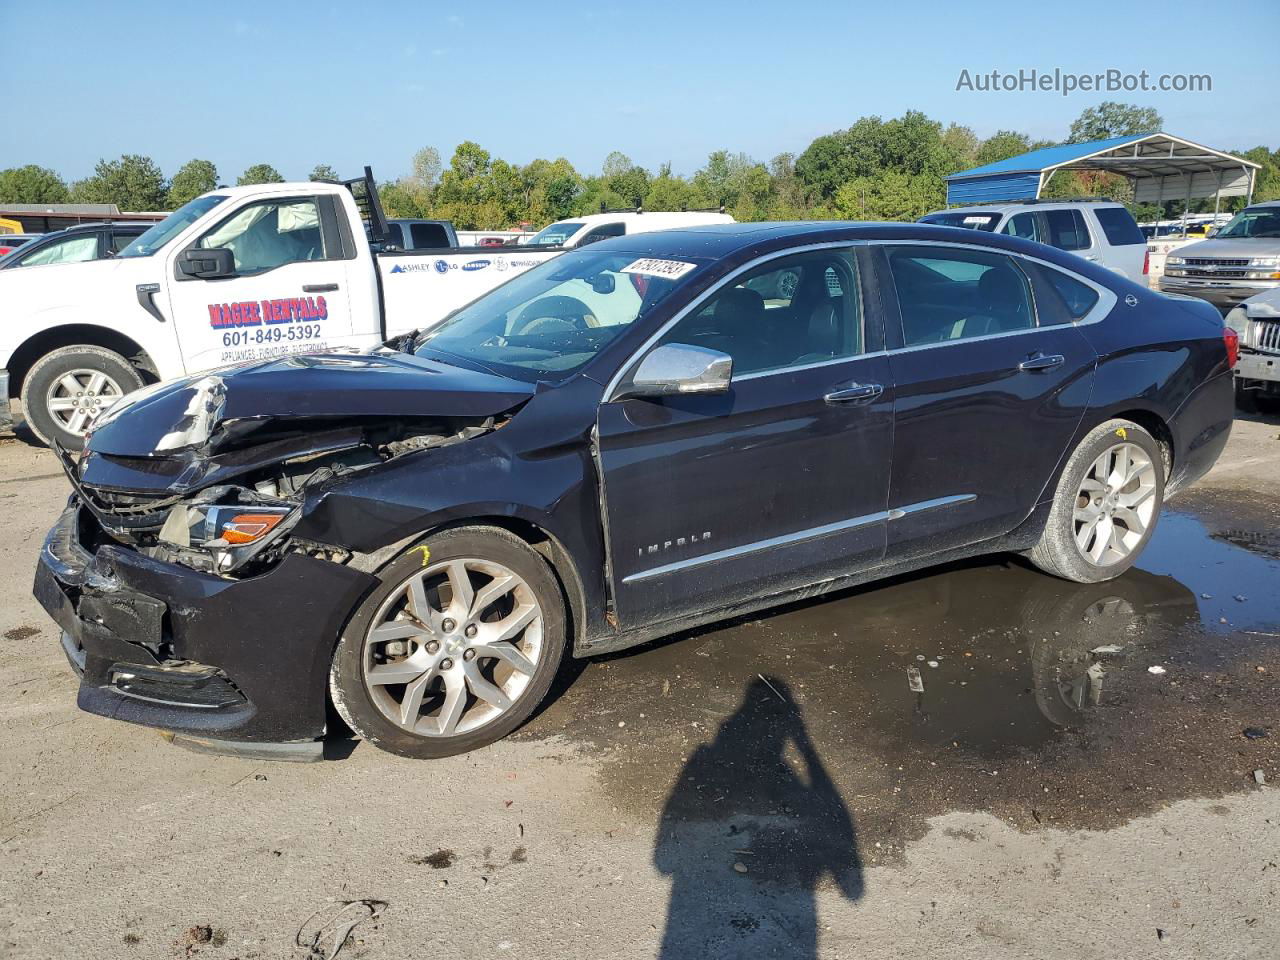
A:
629	440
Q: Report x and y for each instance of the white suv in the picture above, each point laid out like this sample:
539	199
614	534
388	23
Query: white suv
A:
1105	233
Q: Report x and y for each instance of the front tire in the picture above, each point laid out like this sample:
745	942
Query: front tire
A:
68	388
455	649
1106	505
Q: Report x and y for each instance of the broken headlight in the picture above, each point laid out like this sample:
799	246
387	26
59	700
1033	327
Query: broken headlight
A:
236	525
227	534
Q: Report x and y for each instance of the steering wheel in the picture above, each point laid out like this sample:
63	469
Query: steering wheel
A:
553	315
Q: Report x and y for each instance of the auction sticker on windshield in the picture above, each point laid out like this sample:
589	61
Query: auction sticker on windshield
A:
671	269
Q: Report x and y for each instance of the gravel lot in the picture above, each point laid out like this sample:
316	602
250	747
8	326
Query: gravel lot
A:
771	787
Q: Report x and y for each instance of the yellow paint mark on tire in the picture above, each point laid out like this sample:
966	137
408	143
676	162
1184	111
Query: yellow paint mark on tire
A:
1121	432
426	554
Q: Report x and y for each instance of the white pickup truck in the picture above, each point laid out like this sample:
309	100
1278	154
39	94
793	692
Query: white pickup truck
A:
239	274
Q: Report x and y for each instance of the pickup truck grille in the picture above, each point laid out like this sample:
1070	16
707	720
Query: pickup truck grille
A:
1215	262
1216	274
1264	335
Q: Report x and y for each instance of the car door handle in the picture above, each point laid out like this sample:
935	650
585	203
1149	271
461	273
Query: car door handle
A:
319	287
1042	361
855	393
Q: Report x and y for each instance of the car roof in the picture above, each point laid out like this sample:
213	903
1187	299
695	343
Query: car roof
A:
98	225
736	241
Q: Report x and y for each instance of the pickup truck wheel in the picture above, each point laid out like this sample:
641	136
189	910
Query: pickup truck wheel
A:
66	390
1107	503
455	649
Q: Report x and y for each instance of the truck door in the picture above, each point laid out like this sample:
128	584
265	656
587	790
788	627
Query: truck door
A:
289	293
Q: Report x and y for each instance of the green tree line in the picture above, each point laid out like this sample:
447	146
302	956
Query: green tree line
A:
875	169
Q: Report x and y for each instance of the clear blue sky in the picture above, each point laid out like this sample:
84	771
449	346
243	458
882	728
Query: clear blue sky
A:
293	84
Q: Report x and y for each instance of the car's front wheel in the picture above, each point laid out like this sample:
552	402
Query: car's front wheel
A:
1106	506
455	649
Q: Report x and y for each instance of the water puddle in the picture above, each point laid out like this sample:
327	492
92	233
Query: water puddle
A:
1035	697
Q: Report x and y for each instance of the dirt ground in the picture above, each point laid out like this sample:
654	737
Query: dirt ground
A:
767	788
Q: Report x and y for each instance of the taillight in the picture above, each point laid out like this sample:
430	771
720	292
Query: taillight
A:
1232	340
1146	264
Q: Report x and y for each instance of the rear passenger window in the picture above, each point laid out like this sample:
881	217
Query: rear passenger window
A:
604	232
1066	229
950	294
1078	297
1119	226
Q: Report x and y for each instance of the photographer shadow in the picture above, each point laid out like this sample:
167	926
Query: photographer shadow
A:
751	829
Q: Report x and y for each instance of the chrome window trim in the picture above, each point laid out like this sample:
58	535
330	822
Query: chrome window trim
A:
707	294
800	536
852	358
1107	301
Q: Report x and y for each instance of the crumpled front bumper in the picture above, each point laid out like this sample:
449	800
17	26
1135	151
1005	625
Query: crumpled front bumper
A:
241	661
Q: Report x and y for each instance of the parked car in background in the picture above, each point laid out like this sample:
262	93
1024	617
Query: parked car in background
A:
1102	232
742	414
1241	261
86	241
1257	322
12	241
580	231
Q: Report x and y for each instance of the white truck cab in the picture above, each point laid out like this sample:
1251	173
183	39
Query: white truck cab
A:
240	274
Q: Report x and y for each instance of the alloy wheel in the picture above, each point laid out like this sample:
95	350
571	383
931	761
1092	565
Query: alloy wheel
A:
77	398
1115	504
453	647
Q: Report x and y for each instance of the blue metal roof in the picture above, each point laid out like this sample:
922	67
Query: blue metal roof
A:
1045	157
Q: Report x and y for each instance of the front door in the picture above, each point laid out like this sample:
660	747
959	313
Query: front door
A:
289	294
719	499
991	385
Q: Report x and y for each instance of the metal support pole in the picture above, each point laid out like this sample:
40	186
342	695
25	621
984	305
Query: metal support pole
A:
1186	206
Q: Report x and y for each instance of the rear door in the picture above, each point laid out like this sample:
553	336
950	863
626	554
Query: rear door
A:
718	499
989	392
290	291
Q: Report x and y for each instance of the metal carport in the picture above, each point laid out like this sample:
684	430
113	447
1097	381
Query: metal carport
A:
1159	165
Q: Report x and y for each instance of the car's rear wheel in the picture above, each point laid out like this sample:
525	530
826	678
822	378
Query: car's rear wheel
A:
67	389
1106	506
455	649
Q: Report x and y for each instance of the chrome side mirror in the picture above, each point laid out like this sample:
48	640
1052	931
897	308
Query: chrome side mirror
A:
679	368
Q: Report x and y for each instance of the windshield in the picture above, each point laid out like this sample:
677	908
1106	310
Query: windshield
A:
555	235
1258	222
555	317
973	221
172	225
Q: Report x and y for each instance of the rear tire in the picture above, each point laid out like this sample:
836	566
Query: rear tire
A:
425	672
66	390
1106	505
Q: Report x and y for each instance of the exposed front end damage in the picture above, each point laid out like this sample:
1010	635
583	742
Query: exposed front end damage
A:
186	600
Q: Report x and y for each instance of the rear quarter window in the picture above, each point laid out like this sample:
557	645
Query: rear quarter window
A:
1078	298
1119	226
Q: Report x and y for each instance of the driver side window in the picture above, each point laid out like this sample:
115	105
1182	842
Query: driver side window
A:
266	235
792	312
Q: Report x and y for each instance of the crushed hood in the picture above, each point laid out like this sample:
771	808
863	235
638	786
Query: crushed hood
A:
191	414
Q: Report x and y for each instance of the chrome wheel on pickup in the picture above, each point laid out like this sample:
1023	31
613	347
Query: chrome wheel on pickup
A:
455	649
77	397
66	390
